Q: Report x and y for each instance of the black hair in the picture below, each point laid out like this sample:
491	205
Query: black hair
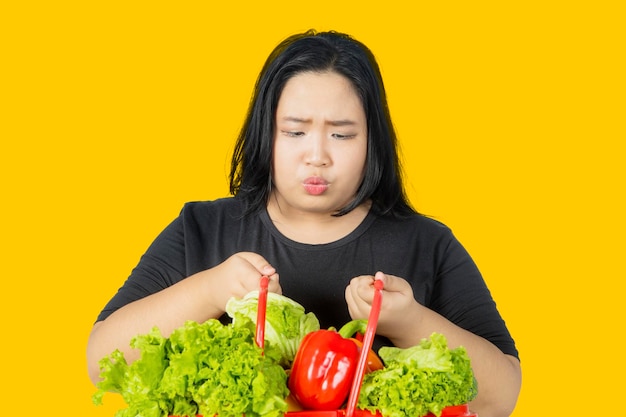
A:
311	51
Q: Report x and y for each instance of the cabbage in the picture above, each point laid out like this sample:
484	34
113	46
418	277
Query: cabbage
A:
206	369
286	322
415	381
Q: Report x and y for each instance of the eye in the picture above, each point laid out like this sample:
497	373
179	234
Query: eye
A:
292	133
341	136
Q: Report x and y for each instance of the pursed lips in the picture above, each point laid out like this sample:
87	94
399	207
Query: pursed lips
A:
315	185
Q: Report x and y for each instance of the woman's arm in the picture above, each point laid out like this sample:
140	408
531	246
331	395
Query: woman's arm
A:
200	297
405	322
498	374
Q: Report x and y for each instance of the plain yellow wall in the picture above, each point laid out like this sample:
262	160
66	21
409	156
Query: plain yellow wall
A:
511	120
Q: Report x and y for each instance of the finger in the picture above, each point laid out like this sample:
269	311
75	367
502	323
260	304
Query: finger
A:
365	287
359	296
259	263
391	283
274	284
353	289
348	295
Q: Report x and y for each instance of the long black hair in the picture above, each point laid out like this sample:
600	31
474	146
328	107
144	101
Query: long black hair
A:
311	51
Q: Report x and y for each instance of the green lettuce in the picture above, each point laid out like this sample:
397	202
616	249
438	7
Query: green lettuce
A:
207	369
286	322
419	380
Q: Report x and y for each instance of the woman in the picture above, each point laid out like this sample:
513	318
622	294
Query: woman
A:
319	207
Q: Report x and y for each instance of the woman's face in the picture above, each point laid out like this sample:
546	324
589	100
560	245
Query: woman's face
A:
320	144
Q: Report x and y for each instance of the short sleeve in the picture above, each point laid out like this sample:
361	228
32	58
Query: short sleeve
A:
461	295
161	266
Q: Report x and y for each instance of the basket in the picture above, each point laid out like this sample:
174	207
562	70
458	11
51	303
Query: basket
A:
368	339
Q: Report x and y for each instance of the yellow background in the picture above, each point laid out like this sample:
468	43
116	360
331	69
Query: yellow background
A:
510	115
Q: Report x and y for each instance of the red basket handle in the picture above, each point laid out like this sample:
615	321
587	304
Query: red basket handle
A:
261	308
368	340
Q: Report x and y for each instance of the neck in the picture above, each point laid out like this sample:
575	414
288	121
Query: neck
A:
313	227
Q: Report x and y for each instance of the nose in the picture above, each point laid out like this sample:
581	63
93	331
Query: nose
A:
317	151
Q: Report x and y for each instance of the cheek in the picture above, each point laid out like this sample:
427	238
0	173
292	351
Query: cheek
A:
355	163
282	162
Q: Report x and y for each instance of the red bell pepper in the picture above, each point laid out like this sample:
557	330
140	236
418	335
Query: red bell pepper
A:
323	369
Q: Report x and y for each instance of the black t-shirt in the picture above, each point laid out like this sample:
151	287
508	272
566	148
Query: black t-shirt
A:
423	251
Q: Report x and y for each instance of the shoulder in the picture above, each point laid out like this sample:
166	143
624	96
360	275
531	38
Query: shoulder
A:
211	215
415	233
415	223
228	205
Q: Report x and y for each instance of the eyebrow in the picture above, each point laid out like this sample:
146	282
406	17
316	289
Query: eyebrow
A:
341	122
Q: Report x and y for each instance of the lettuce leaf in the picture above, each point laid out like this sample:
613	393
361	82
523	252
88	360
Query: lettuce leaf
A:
415	381
286	322
206	369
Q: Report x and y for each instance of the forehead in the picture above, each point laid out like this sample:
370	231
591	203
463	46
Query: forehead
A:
314	92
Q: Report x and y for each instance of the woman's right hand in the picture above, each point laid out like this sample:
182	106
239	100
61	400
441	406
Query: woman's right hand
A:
237	276
199	297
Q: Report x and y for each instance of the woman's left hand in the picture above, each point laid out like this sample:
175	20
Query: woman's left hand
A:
399	312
